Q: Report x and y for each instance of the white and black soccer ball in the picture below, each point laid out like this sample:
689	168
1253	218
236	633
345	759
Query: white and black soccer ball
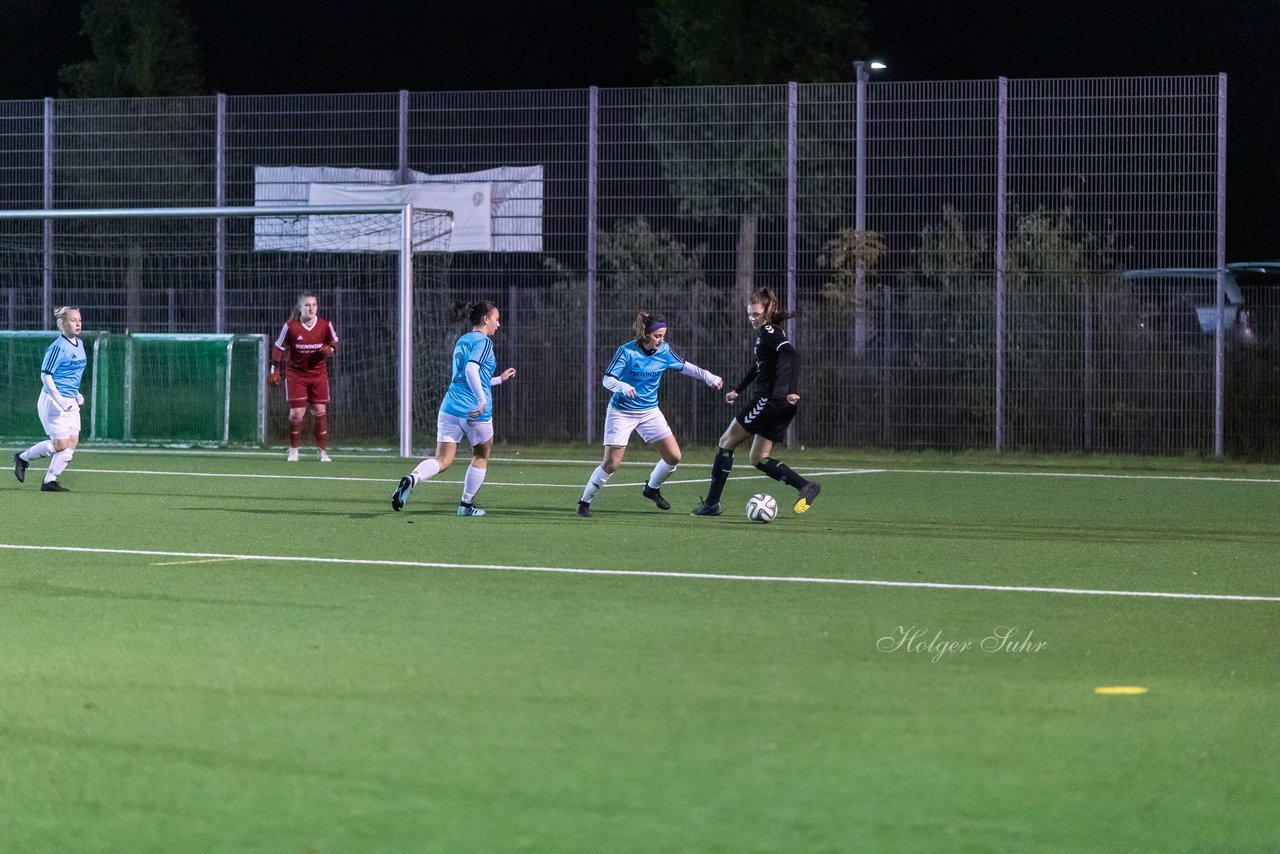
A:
761	508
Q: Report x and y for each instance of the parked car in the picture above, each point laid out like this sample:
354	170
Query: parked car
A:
1182	301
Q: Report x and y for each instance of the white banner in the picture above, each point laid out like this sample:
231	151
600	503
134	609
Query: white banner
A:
508	217
469	202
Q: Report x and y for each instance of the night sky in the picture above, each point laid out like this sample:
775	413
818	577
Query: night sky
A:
311	46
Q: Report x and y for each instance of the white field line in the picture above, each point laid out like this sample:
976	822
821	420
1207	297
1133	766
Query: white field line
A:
685	576
393	480
1098	475
379	457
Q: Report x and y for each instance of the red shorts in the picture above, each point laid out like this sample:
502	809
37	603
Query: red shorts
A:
301	389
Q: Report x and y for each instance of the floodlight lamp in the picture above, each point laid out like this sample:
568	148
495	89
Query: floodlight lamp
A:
877	65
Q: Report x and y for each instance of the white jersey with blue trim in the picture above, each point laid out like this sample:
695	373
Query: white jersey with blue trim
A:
460	399
65	361
643	371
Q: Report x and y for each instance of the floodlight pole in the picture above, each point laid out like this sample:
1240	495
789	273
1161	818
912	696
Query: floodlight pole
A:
860	176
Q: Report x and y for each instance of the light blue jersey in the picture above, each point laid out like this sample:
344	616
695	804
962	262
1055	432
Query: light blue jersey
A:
64	361
642	371
459	399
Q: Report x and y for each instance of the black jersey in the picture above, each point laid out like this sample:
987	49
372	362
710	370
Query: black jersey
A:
776	370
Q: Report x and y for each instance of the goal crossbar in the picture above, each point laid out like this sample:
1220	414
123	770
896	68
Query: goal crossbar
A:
407	246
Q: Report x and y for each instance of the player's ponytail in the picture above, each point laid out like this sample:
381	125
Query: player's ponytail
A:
473	312
647	323
768	301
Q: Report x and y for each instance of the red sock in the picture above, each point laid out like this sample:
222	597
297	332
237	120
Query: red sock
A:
295	431
322	430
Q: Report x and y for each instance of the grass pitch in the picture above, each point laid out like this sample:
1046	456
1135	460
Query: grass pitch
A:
223	652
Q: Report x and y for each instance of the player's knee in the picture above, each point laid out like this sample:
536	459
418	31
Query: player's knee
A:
317	410
296	416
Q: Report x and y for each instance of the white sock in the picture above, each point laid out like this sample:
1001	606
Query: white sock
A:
595	483
38	450
472	482
425	470
661	472
57	464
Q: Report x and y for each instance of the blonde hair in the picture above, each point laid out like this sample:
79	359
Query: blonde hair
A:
60	316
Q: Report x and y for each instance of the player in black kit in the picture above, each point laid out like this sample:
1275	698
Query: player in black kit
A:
774	381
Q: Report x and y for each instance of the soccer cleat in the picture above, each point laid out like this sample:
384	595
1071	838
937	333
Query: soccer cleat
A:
584	509
324	456
293	455
469	510
53	486
400	497
808	494
19	468
655	495
705	509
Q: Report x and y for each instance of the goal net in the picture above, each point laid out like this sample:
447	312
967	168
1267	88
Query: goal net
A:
181	307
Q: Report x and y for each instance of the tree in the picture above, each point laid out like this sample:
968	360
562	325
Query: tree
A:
712	42
724	159
141	48
143	51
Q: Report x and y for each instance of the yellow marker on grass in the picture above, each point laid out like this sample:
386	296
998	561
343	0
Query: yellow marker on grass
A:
1120	689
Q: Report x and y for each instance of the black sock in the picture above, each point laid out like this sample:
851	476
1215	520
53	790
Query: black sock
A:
719	475
781	472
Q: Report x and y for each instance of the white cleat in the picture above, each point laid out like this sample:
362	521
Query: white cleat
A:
293	455
324	456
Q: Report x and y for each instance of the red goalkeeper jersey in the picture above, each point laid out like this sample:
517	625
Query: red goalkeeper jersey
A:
300	346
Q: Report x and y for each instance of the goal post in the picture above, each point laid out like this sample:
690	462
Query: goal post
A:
178	285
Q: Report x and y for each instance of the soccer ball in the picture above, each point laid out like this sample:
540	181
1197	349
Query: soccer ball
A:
761	508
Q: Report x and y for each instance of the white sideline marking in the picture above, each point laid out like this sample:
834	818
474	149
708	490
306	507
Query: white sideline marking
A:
641	573
389	480
390	456
1099	475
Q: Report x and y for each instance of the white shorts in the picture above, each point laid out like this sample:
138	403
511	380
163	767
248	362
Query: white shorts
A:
651	424
451	428
58	424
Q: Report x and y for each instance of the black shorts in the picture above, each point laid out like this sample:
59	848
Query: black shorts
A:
767	418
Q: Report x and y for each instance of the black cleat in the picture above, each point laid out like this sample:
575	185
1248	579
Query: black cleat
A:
401	496
20	468
584	509
655	495
705	509
53	486
808	494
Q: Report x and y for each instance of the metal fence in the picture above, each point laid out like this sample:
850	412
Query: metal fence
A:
982	304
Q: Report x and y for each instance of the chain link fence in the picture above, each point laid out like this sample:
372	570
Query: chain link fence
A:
986	300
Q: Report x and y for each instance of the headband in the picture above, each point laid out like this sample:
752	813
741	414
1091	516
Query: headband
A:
654	326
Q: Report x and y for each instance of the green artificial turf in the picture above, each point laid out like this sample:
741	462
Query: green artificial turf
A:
364	698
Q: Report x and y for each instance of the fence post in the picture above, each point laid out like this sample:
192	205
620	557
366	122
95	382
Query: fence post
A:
593	190
1220	261
46	290
220	224
1002	236
402	138
793	135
